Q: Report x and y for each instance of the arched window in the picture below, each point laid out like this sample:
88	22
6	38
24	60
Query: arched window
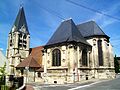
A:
20	35
56	57
84	57
24	37
100	53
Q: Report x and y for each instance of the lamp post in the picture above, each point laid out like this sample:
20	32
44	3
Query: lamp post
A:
74	76
94	44
26	68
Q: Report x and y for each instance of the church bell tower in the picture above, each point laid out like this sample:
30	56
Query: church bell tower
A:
18	41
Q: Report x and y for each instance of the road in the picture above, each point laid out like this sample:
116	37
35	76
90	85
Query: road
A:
107	85
100	85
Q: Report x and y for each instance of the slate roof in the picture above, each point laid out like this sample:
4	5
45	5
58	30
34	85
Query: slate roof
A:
89	29
66	32
20	21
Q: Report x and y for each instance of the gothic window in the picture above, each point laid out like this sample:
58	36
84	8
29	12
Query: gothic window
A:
20	41
24	42
84	57
100	53
56	57
20	45
20	35
24	46
24	37
10	42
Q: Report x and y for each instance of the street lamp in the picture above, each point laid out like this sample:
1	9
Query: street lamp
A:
74	76
26	68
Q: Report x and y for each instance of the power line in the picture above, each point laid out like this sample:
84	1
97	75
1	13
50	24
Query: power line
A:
53	12
93	10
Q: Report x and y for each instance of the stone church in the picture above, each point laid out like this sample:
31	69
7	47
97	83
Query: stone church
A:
75	52
78	52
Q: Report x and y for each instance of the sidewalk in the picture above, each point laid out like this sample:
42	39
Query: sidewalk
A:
81	84
28	87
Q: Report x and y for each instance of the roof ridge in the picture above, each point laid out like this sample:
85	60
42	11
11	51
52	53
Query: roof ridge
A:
98	27
86	22
72	23
66	19
66	32
93	25
35	61
90	28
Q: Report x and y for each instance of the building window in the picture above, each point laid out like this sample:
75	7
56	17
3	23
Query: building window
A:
24	42
84	57
56	57
39	74
20	41
24	37
20	35
10	42
100	53
24	46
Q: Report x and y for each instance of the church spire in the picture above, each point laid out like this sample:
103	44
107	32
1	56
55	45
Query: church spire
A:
18	41
20	24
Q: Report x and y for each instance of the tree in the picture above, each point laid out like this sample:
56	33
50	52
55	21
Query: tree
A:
116	65
2	75
2	70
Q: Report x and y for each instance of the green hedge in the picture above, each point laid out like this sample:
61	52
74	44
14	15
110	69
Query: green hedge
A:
4	87
2	80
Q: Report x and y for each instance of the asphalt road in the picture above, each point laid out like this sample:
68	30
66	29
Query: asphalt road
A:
102	85
107	85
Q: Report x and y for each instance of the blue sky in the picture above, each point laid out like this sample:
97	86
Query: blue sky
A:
42	24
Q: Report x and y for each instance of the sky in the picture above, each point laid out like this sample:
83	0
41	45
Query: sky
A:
44	16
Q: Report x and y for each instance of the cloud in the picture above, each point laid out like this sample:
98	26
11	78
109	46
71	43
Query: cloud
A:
104	20
35	42
1	49
115	41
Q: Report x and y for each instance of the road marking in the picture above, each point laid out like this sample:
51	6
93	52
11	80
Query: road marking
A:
84	86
